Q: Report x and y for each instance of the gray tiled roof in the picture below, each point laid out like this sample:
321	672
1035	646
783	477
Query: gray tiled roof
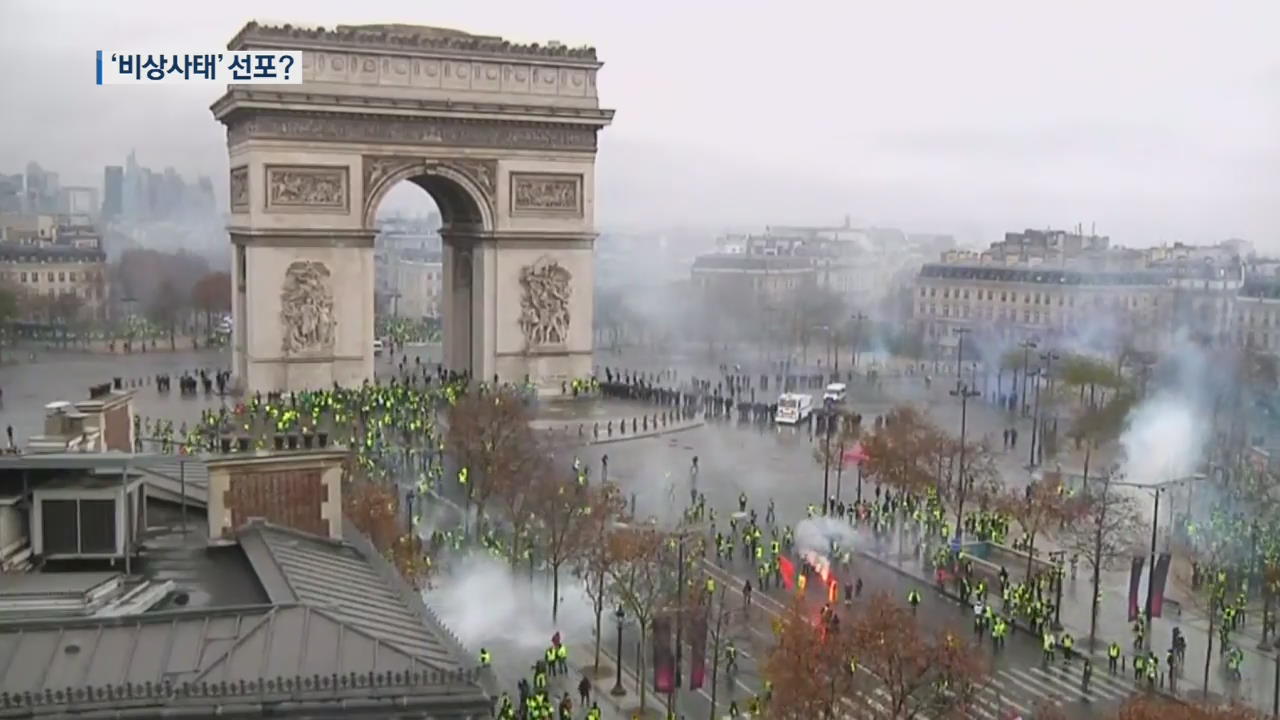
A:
323	573
185	646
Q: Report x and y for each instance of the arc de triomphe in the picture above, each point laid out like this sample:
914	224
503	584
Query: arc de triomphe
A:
503	137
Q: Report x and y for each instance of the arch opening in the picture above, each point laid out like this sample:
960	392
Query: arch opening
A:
426	299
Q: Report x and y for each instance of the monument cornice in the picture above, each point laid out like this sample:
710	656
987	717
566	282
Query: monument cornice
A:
239	99
369	128
436	42
301	237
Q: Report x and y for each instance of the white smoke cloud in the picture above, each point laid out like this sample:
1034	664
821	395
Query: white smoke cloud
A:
1164	439
487	605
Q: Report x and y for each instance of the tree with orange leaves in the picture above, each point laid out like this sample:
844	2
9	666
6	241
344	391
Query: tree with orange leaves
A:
374	508
811	670
1148	707
904	452
935	673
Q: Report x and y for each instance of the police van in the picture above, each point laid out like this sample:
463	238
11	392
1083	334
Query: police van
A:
793	408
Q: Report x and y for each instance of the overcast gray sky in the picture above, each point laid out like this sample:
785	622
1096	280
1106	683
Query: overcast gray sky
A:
1157	119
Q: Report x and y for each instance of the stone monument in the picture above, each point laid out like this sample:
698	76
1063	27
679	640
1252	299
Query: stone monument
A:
501	135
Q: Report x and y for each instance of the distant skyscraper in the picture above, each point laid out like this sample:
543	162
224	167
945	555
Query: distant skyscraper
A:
112	191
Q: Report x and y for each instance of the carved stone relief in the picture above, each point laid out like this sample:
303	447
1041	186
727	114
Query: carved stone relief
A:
557	193
544	306
239	189
328	127
307	188
306	309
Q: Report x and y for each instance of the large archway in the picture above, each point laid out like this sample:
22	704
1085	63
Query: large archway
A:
502	137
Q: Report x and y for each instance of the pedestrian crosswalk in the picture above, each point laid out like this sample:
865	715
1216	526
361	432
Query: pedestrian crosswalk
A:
1014	691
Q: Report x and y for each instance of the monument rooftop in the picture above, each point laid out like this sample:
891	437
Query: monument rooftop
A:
402	37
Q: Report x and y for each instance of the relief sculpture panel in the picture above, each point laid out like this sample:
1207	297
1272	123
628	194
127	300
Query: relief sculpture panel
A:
544	305
239	190
306	309
307	188
557	193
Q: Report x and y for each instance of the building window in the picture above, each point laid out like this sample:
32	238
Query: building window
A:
49	278
1004	297
71	276
24	277
62	277
922	292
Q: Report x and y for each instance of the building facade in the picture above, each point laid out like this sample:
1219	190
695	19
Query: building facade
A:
1083	293
44	274
856	264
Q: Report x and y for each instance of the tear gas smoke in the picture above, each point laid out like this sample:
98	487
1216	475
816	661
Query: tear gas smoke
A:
486	605
815	538
1163	439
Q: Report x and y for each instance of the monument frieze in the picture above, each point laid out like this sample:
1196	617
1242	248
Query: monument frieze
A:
558	193
345	127
239	189
307	188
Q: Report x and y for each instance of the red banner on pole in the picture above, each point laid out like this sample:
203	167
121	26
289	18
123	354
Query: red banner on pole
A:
698	647
664	662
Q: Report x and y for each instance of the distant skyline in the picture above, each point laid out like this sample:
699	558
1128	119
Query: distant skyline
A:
1158	121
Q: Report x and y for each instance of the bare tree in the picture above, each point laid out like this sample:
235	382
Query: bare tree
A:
638	581
569	516
1037	507
488	432
1106	532
598	554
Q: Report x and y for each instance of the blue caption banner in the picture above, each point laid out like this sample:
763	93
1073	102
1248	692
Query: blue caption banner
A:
257	67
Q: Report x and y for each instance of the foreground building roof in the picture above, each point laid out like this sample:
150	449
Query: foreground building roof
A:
248	661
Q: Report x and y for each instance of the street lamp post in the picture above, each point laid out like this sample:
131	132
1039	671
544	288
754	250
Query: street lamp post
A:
618	690
963	392
961	331
1156	490
1027	346
1037	436
826	457
1031	461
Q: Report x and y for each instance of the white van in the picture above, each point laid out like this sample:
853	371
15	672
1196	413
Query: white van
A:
835	393
377	348
793	408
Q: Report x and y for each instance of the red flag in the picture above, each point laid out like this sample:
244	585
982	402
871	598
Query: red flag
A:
788	572
854	454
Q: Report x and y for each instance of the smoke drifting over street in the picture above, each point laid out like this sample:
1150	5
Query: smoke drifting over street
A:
485	604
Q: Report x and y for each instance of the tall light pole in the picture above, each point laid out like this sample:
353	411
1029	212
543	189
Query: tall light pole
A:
1155	490
1047	358
960	331
963	392
1027	346
1031	461
826	456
